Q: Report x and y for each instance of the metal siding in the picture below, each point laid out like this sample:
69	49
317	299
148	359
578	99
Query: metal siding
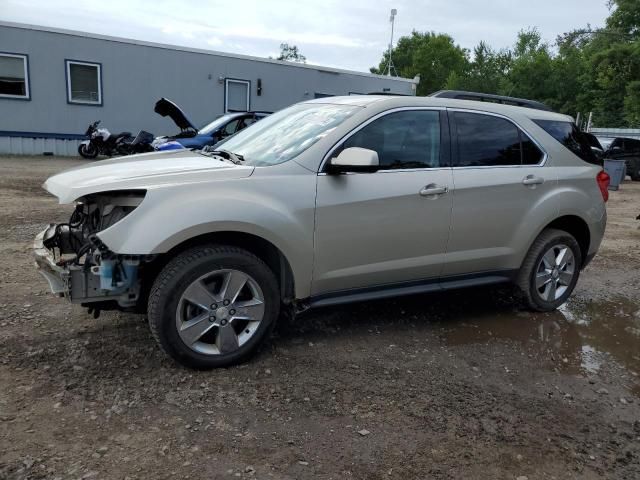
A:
37	146
617	132
134	77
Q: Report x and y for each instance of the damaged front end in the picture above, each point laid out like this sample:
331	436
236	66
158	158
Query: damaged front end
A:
79	266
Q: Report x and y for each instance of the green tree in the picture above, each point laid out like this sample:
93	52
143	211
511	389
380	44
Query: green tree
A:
632	104
614	70
531	68
485	72
291	53
625	17
432	56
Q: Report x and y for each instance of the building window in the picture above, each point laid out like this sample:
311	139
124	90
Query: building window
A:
84	83
14	76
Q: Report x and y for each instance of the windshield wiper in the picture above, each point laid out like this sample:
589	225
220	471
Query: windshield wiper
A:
226	154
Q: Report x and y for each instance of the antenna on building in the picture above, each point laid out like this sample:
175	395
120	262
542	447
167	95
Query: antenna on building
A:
390	66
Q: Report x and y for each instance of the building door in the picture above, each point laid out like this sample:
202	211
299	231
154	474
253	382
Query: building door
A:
236	95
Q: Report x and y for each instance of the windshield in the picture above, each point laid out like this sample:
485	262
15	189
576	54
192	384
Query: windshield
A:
287	133
217	123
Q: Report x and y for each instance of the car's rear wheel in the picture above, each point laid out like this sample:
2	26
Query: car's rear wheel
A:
550	271
212	306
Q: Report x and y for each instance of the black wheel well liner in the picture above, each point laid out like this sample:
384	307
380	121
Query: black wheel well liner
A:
578	228
263	249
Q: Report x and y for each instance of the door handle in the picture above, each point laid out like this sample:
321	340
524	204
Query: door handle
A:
432	190
530	180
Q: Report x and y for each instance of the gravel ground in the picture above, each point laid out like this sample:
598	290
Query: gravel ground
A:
459	385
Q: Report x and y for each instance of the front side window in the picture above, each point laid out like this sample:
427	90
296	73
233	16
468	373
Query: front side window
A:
84	84
567	134
486	141
407	139
230	128
14	76
287	133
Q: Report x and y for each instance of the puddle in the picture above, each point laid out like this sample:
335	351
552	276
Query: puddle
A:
581	336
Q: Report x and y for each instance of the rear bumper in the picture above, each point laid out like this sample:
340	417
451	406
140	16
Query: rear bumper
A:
597	230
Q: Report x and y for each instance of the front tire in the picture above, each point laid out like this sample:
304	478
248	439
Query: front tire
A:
87	151
550	270
213	306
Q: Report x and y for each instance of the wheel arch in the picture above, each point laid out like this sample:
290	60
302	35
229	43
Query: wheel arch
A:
578	228
259	246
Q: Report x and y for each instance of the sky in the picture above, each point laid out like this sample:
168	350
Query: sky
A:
337	33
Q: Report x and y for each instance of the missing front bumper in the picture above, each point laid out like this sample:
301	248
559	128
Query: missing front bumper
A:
78	283
56	276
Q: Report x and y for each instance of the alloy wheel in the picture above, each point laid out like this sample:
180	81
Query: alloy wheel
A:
219	312
555	272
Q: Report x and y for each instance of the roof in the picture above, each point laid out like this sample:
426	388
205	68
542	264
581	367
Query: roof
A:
130	41
406	101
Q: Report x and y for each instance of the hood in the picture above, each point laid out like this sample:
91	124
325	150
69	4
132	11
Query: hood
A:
145	171
167	108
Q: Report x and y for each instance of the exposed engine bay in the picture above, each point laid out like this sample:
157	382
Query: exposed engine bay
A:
79	265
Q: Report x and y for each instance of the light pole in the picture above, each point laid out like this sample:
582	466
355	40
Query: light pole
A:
390	65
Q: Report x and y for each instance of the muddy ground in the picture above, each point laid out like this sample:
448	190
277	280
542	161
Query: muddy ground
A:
462	385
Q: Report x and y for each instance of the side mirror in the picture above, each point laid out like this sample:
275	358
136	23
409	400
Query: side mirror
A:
354	159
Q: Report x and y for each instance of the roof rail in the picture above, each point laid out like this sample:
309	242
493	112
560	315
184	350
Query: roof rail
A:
390	94
487	97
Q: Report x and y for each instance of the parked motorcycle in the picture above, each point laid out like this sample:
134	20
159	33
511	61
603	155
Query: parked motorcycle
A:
102	142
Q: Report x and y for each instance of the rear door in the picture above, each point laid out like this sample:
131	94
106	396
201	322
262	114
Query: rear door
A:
499	176
375	229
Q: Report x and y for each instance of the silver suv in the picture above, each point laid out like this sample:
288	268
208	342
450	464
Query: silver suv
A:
326	202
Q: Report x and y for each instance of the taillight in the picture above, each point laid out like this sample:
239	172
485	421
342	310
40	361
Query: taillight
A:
603	180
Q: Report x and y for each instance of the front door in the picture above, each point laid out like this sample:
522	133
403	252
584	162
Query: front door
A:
391	226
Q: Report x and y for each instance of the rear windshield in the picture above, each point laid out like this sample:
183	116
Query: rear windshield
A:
567	133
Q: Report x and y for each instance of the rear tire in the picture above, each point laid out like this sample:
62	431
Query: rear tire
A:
222	324
550	270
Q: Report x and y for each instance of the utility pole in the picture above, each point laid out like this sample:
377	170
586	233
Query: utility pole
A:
390	67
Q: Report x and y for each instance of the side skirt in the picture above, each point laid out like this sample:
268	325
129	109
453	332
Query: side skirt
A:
408	288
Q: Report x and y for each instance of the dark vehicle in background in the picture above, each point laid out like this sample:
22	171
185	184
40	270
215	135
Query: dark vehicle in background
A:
100	141
627	149
198	138
141	143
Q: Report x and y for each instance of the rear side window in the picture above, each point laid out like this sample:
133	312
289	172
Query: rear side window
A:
407	139
485	141
567	133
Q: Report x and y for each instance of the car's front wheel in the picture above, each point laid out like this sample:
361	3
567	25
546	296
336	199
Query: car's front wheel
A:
212	306
550	270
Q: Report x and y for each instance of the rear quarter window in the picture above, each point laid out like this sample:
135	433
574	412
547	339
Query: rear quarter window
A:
567	134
